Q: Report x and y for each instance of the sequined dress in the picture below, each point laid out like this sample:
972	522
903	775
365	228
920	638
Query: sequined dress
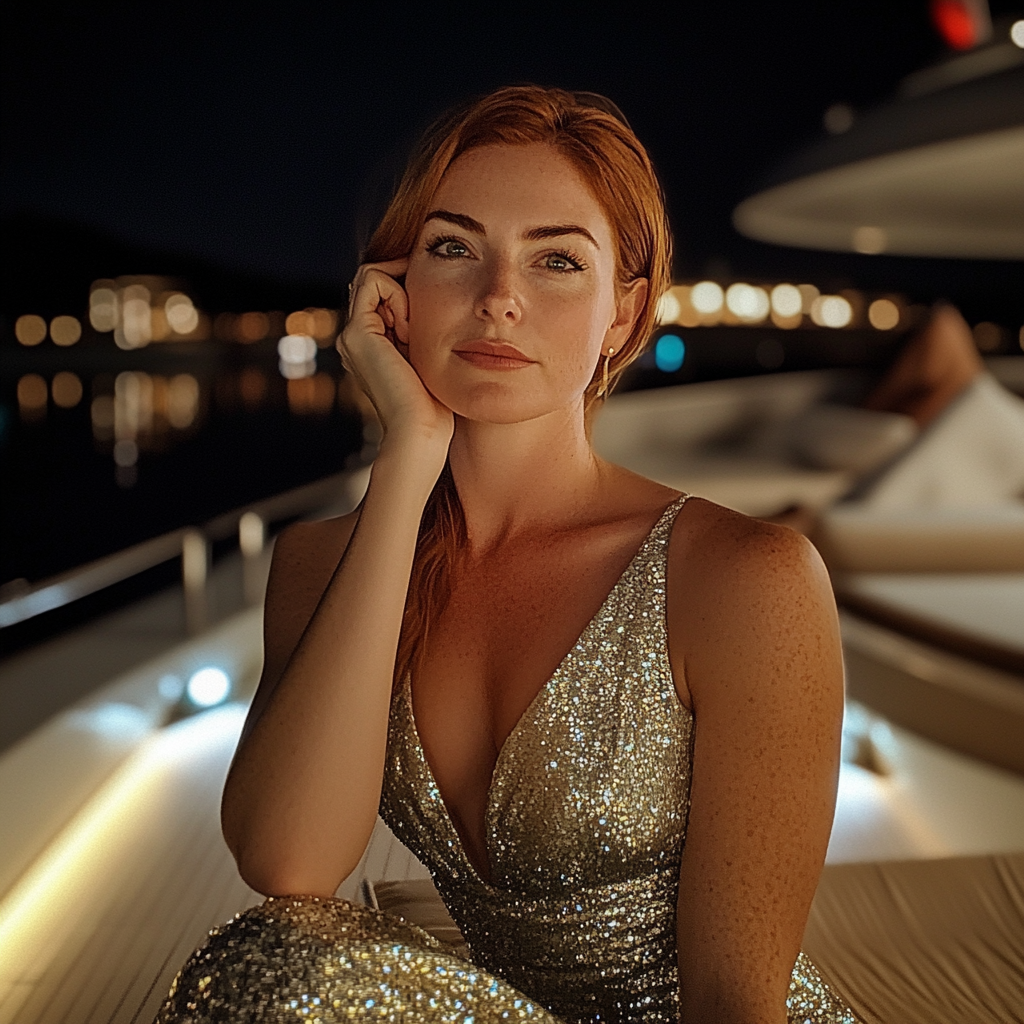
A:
585	826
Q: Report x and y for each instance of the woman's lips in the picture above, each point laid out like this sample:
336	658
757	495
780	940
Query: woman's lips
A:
489	355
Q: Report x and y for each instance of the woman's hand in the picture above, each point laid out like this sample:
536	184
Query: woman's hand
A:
374	346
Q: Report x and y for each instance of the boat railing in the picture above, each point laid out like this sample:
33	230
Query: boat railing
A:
190	544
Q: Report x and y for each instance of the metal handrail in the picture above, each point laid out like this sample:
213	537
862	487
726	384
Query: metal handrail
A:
69	586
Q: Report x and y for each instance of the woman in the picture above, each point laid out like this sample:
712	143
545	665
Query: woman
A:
416	650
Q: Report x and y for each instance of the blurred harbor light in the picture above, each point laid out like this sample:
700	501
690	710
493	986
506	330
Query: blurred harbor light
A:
741	304
30	329
298	356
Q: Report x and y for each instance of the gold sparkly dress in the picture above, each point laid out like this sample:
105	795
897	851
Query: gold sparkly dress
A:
585	826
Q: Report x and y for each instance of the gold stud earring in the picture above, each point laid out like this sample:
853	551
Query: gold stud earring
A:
604	375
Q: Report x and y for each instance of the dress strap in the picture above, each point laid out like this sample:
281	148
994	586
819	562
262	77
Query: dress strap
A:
668	517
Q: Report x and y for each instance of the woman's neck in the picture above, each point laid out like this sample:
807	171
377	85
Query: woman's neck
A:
513	477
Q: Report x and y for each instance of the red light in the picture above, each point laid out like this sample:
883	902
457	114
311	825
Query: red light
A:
956	23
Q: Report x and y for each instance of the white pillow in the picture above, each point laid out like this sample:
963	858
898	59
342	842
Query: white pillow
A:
973	454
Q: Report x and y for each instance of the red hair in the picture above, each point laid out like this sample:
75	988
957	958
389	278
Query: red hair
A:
590	132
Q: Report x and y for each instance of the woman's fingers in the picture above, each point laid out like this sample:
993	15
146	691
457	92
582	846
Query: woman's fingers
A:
376	294
391	268
379	311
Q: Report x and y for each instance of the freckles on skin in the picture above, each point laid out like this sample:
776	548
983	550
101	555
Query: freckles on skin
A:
553	298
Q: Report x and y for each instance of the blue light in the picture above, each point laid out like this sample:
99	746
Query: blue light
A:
208	686
669	353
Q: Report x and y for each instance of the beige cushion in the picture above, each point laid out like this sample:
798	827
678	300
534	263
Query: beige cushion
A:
927	942
859	537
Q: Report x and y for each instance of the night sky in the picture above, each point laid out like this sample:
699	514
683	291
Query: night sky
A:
261	138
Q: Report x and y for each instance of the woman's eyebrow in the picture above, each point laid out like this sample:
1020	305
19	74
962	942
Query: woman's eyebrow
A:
458	219
533	235
557	230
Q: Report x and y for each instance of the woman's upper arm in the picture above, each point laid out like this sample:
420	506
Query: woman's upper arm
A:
305	558
756	626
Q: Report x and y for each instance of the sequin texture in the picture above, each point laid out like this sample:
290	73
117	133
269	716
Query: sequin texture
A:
585	823
325	960
585	826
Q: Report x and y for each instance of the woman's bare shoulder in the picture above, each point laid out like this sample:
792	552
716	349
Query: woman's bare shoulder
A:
708	539
742	592
305	558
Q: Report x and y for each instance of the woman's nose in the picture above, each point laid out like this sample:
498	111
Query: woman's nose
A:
499	300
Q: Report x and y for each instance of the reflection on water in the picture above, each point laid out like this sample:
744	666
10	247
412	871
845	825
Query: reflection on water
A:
96	457
144	412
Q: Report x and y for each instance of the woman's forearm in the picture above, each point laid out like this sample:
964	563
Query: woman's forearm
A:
301	799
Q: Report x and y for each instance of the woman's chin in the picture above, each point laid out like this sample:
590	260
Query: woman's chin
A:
500	404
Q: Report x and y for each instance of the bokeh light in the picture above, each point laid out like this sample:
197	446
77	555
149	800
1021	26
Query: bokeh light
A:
883	314
669	353
786	300
182	400
252	327
32	397
66	389
182	316
136	327
298	356
318	324
831	311
1017	33
208	686
956	22
252	534
299	322
747	302
103	306
126	452
30	329
707	297
171	687
311	396
133	404
296	348
808	293
688	316
65	330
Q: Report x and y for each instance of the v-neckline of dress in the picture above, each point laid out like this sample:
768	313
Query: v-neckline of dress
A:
670	510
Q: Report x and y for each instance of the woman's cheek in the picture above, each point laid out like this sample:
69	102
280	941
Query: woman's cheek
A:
577	328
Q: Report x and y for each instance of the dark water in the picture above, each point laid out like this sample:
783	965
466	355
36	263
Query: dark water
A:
100	449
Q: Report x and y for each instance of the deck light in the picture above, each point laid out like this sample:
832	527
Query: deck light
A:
208	686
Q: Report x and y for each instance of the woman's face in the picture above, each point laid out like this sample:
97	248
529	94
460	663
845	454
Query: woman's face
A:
512	286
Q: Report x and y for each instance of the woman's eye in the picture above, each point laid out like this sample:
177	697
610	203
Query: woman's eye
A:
562	262
448	248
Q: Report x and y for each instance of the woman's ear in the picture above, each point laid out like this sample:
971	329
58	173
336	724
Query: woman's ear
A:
628	306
